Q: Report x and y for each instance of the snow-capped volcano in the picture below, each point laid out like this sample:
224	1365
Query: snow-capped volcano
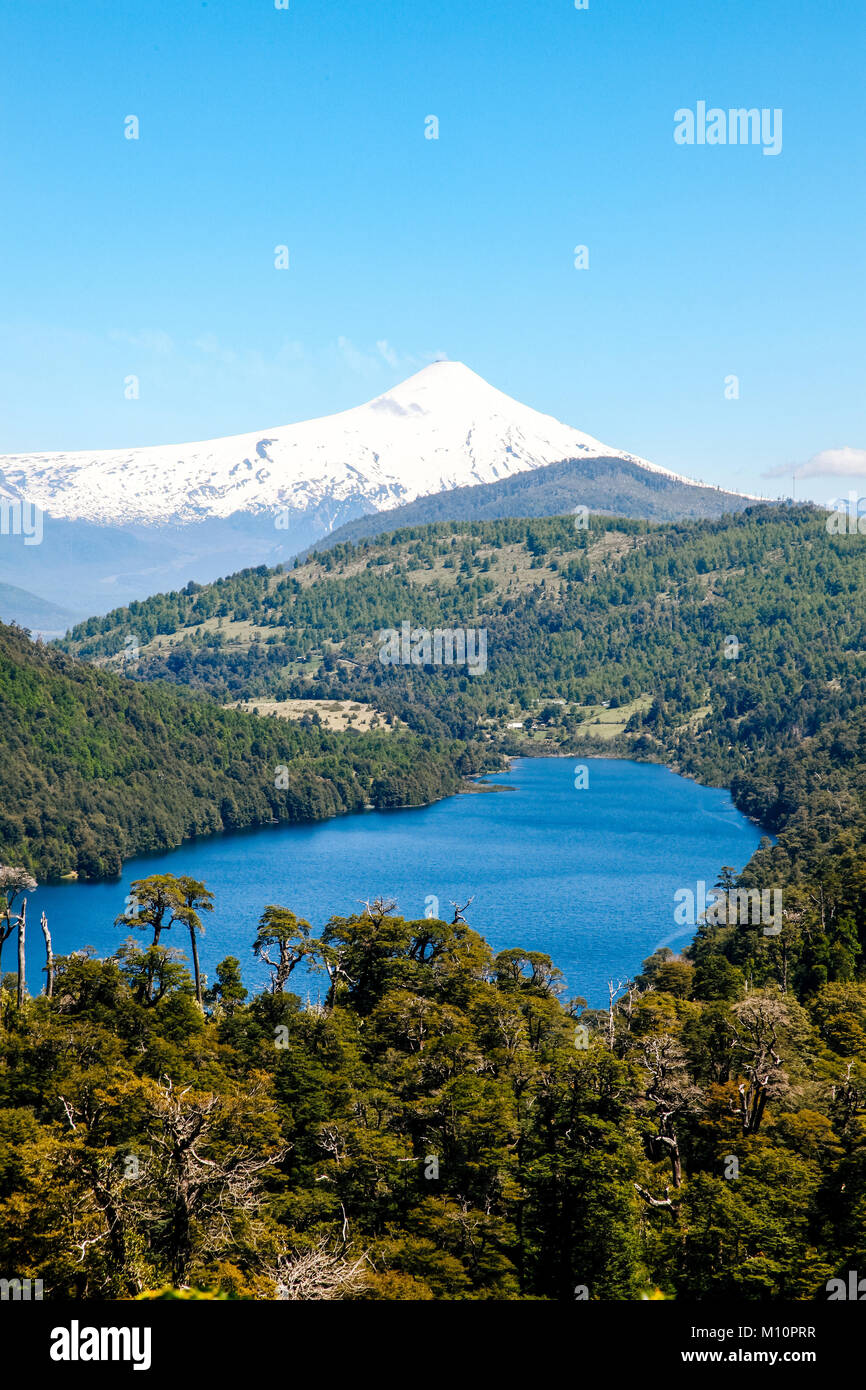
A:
444	427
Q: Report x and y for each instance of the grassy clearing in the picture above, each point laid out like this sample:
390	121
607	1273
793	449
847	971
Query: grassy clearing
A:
607	724
337	715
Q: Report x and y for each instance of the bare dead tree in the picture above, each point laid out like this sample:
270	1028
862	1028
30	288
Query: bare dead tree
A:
194	1192
22	928
759	1022
325	1272
508	1020
49	957
666	1201
670	1095
13	881
378	909
459	911
105	1209
633	993
335	972
848	1096
613	993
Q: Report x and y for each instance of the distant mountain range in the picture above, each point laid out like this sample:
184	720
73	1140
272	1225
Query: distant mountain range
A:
123	524
43	618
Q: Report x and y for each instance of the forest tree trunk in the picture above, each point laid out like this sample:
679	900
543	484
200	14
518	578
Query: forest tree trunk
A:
22	923
49	958
196	968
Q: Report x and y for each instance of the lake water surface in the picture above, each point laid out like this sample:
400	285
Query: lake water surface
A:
587	875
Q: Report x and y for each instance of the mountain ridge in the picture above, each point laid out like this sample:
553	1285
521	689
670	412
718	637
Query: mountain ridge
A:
120	525
443	427
40	616
607	485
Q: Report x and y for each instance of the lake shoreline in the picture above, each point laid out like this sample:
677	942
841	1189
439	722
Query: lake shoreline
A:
471	787
647	762
586	874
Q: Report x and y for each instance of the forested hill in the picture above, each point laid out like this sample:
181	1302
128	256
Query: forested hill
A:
608	485
733	649
96	768
442	1127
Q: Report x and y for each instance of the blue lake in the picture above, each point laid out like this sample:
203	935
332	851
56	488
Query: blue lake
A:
588	875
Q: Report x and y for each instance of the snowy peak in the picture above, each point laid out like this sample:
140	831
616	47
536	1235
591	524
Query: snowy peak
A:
441	389
459	404
442	428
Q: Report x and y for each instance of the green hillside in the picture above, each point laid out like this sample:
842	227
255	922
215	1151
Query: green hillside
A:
96	768
609	485
624	615
443	1126
609	639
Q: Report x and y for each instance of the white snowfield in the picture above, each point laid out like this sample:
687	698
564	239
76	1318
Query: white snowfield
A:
444	427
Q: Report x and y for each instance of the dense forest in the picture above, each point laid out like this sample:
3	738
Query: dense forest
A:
442	1127
96	768
446	1125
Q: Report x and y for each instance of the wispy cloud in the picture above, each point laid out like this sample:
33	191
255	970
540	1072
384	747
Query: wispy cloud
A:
247	363
367	362
152	340
356	359
836	463
385	350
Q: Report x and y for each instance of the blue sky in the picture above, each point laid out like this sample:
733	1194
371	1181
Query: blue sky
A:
305	127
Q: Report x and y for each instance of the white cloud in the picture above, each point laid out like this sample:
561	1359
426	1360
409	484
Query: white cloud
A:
837	463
